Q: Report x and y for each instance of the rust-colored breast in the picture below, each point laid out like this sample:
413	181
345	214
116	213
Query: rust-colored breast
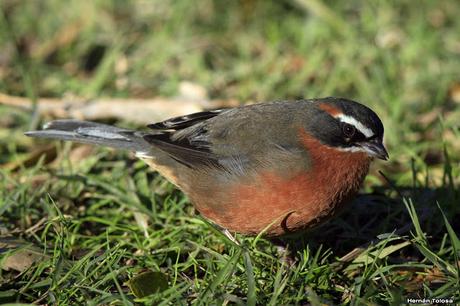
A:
293	202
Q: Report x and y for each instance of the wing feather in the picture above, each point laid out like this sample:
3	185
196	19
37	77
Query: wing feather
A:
192	148
181	122
185	154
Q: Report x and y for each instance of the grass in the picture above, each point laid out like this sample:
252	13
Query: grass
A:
104	219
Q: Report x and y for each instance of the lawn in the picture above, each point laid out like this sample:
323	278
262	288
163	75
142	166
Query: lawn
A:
85	225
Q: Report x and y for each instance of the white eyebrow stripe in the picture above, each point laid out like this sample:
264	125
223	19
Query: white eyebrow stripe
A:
358	125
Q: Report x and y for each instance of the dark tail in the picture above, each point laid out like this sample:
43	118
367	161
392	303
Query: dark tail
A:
93	133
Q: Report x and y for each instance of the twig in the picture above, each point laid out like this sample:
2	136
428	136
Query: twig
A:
141	111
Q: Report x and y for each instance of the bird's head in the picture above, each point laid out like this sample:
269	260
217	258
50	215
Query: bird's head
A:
348	126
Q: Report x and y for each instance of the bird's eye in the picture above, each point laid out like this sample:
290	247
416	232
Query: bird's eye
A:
348	130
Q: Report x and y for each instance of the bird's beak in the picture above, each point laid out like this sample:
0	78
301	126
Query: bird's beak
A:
376	148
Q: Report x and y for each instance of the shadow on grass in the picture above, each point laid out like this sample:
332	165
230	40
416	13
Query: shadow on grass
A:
370	216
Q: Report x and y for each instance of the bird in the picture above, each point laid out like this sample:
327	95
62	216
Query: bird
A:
272	169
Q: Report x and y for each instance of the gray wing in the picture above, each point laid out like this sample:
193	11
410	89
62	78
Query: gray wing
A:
232	138
192	148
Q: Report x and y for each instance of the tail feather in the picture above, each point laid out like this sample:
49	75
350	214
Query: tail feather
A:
93	133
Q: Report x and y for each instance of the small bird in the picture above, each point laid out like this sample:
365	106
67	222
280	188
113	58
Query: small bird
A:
273	168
